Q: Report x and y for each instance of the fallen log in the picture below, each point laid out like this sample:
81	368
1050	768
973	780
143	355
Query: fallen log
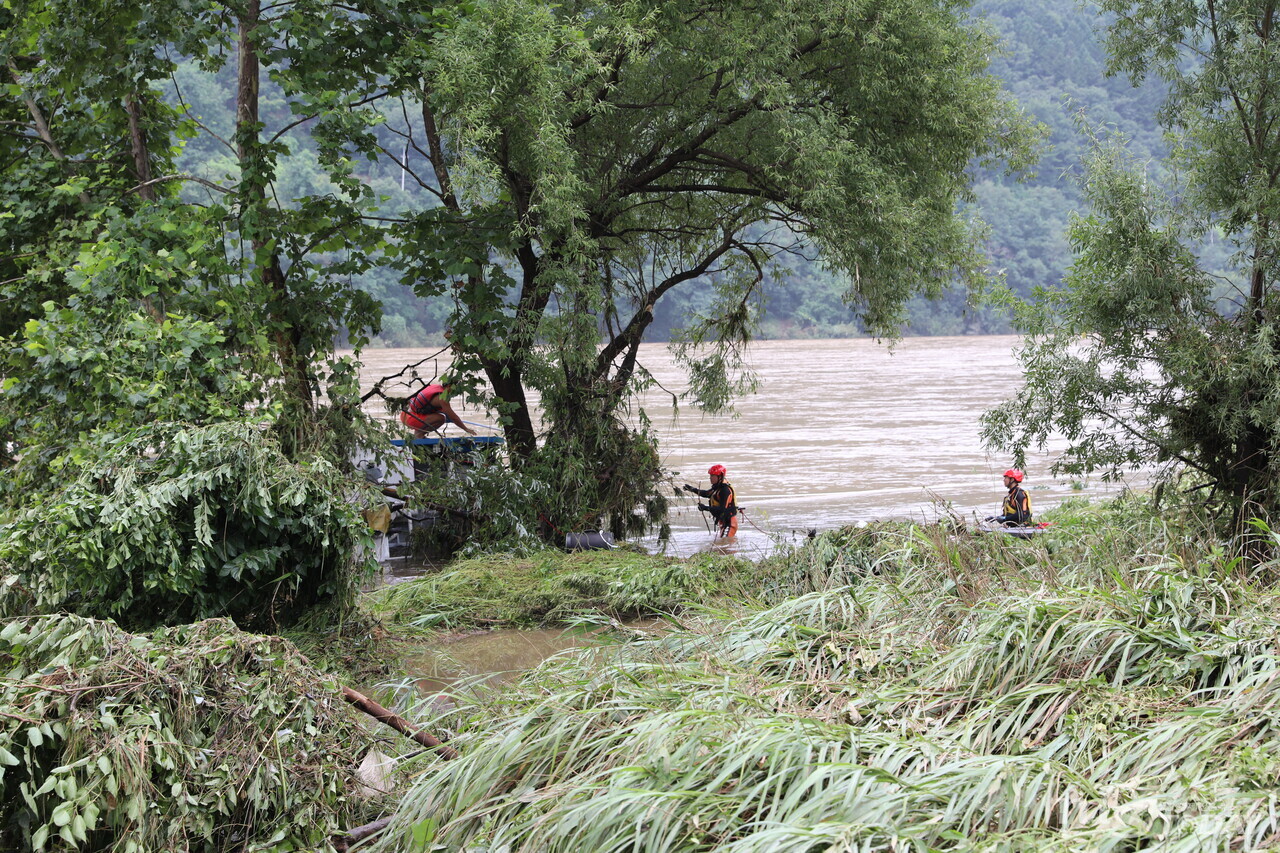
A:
397	722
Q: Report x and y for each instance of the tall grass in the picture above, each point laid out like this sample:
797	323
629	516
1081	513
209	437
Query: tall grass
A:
1114	685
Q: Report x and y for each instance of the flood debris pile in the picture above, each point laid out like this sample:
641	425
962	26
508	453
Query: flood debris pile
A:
199	737
1122	693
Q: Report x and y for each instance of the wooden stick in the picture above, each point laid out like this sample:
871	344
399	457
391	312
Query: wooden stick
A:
397	722
342	842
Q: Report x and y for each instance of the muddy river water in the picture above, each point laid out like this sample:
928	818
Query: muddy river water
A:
840	431
488	658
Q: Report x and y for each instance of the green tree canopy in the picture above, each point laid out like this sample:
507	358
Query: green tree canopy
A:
584	162
141	319
588	160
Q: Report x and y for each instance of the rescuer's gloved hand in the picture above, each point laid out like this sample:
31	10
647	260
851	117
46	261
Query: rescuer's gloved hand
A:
689	488
703	508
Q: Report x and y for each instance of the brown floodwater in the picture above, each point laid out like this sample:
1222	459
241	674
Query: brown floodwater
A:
491	656
840	432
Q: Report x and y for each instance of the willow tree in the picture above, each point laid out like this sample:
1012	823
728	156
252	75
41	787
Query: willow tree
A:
1144	357
590	158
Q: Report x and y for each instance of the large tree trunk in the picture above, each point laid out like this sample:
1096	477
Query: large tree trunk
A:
141	154
253	194
138	148
508	384
506	375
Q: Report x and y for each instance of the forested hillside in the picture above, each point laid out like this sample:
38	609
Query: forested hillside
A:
1053	64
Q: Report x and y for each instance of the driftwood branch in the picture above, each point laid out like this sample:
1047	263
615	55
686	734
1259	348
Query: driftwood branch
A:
408	368
397	722
342	843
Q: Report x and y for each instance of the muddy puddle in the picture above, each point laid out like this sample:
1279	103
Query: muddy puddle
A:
492	658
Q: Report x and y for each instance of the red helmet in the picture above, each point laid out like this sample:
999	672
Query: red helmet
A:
716	471
1015	474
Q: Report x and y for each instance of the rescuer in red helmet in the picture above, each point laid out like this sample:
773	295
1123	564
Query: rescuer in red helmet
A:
722	503
1016	511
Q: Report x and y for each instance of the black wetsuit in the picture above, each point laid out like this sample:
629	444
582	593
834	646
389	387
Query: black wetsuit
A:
1016	509
723	502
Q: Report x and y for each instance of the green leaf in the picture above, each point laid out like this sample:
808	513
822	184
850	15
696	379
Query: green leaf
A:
424	832
63	813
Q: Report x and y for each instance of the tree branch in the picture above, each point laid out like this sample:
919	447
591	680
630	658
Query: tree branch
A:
436	156
312	116
170	178
634	332
405	167
708	188
186	109
37	117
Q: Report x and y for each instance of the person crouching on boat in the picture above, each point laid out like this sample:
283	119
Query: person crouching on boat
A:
1016	511
722	503
429	409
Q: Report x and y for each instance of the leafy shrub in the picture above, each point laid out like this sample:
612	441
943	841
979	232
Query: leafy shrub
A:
174	524
486	505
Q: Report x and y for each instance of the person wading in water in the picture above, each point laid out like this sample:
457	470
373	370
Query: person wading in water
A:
723	504
429	409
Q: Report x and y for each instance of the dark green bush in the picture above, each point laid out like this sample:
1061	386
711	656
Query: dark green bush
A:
179	523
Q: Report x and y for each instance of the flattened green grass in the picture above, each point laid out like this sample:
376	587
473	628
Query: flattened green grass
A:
1114	687
554	587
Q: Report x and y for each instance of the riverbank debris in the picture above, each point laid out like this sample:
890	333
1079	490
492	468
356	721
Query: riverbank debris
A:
397	722
195	736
